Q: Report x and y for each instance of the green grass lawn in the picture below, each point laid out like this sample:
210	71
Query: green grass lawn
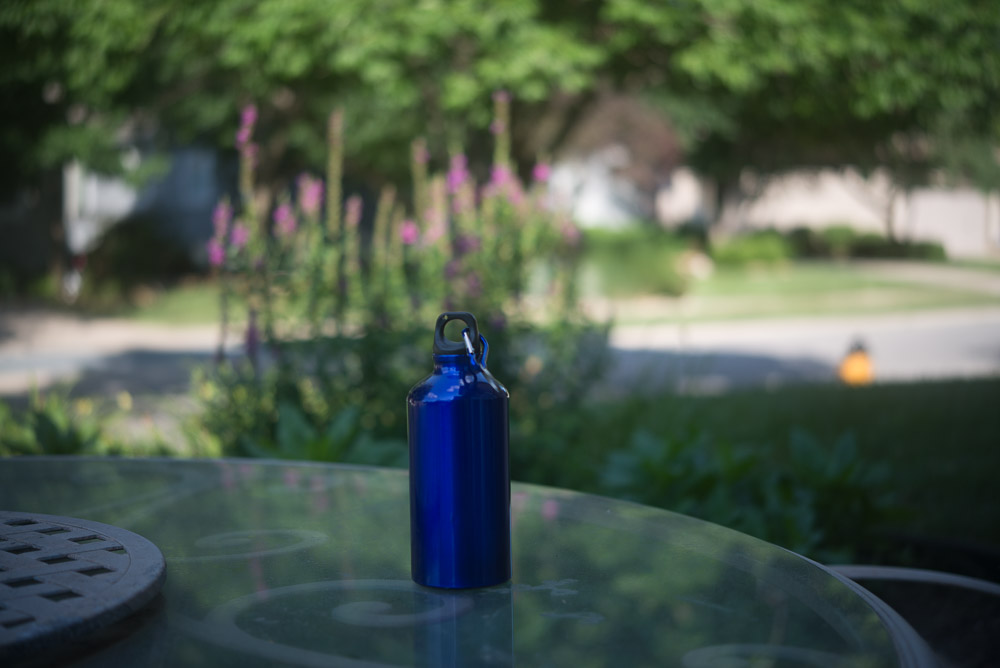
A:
192	303
799	278
795	289
801	289
992	265
816	288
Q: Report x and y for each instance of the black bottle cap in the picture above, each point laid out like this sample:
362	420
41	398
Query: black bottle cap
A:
444	346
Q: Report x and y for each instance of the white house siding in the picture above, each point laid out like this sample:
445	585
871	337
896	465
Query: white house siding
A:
814	200
593	191
964	221
91	204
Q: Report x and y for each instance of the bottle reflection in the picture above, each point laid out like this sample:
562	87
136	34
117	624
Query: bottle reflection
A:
480	635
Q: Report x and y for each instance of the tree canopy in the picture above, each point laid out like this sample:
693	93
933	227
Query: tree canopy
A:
770	84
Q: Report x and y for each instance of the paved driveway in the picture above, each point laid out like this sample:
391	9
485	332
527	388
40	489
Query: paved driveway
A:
713	357
104	356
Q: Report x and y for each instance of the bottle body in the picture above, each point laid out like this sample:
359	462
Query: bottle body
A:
457	424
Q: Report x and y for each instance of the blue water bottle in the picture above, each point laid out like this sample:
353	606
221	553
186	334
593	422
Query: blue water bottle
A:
459	466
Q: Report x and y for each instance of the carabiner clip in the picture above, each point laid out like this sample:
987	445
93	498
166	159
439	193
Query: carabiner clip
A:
467	337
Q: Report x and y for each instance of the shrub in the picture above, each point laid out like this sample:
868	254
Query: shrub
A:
640	260
130	255
808	243
766	247
876	246
53	425
338	320
842	241
839	240
823	500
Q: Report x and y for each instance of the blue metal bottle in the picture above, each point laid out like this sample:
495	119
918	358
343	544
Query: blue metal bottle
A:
457	423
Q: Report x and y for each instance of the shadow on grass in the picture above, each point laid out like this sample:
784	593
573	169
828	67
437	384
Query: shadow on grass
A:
709	373
151	372
138	372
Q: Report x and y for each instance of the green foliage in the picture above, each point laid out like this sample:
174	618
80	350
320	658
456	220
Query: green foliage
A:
401	71
130	255
840	242
338	320
637	260
793	480
838	239
939	438
766	247
341	439
816	502
875	246
52	425
846	82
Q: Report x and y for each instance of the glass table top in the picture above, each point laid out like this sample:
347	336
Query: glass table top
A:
308	565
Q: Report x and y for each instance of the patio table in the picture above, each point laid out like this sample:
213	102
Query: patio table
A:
303	564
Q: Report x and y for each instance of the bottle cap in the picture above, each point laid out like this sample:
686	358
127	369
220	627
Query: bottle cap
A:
445	346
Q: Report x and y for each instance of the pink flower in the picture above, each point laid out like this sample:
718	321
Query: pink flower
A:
550	509
352	211
500	176
474	285
420	153
496	127
249	151
514	194
458	174
501	96
216	253
541	172
240	235
284	220
409	233
248	116
226	476
310	194
242	137
221	216
467	243
570	233
518	500
317	489
291	478
316	483
463	202
434	233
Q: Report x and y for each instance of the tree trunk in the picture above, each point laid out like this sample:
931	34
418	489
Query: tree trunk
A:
52	211
890	216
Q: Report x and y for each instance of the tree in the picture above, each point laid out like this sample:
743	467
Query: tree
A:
781	85
768	86
185	67
82	78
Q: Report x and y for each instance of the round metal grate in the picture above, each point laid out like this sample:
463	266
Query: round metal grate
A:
61	577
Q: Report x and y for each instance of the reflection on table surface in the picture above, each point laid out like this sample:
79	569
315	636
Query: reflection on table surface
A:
308	565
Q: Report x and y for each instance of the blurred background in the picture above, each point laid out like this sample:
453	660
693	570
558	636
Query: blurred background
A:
739	260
